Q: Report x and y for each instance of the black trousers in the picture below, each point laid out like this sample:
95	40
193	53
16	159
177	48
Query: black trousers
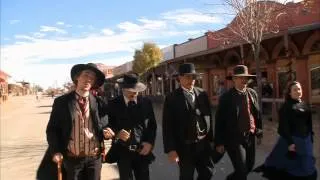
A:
193	157
86	168
242	156
132	163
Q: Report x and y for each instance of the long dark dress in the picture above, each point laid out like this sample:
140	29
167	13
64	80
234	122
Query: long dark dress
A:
295	127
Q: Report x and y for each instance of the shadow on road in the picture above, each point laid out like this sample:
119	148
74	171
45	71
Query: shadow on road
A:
48	112
44	106
18	152
162	169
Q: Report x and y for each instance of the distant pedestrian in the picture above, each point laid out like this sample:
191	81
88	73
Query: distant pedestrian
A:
75	128
238	123
187	127
292	156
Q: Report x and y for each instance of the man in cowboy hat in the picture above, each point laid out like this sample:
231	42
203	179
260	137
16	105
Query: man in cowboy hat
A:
132	126
75	128
187	127
238	122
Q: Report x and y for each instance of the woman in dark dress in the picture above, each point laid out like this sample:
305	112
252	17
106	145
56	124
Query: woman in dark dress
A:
292	156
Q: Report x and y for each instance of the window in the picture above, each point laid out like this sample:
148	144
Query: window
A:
315	81
283	79
198	82
215	79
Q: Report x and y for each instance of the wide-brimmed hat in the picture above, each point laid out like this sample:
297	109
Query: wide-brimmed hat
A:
240	71
187	69
76	69
131	83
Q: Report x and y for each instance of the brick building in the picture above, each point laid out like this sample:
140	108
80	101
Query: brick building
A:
4	77
293	52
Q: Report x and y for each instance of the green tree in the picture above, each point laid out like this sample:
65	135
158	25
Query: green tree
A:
149	56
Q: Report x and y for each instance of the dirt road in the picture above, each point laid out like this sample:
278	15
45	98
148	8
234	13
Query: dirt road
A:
23	143
23	138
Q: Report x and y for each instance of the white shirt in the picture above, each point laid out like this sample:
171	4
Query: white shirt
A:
83	93
190	92
241	91
126	100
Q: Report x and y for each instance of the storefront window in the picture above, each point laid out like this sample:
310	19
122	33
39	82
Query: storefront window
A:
283	79
315	81
215	80
198	82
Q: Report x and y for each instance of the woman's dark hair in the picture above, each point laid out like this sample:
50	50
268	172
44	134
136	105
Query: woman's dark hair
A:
288	90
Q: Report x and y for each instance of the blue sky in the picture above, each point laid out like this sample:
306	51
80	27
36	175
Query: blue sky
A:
42	40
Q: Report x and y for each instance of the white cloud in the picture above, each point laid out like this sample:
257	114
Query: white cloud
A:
152	24
52	29
90	27
15	21
26	57
60	23
113	61
45	75
107	32
25	37
189	17
129	26
39	35
145	26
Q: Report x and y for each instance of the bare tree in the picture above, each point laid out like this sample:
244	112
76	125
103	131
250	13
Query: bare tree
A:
253	21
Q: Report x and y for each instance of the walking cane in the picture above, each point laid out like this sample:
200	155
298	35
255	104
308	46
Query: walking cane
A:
59	164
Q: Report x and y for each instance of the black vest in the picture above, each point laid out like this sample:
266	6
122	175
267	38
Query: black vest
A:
195	125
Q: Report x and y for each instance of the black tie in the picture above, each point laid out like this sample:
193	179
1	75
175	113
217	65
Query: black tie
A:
131	104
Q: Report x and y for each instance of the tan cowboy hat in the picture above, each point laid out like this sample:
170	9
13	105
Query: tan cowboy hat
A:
240	71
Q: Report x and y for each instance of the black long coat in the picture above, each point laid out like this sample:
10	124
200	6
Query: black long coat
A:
176	114
227	120
141	122
59	129
295	118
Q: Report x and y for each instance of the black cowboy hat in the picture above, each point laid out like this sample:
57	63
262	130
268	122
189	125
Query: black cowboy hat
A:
131	82
76	69
187	69
240	71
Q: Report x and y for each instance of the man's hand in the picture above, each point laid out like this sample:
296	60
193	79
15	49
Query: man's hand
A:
108	133
173	157
123	135
57	158
146	148
220	149
292	147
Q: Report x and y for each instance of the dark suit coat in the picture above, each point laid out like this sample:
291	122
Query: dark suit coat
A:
62	116
48	170
176	114
226	126
143	125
